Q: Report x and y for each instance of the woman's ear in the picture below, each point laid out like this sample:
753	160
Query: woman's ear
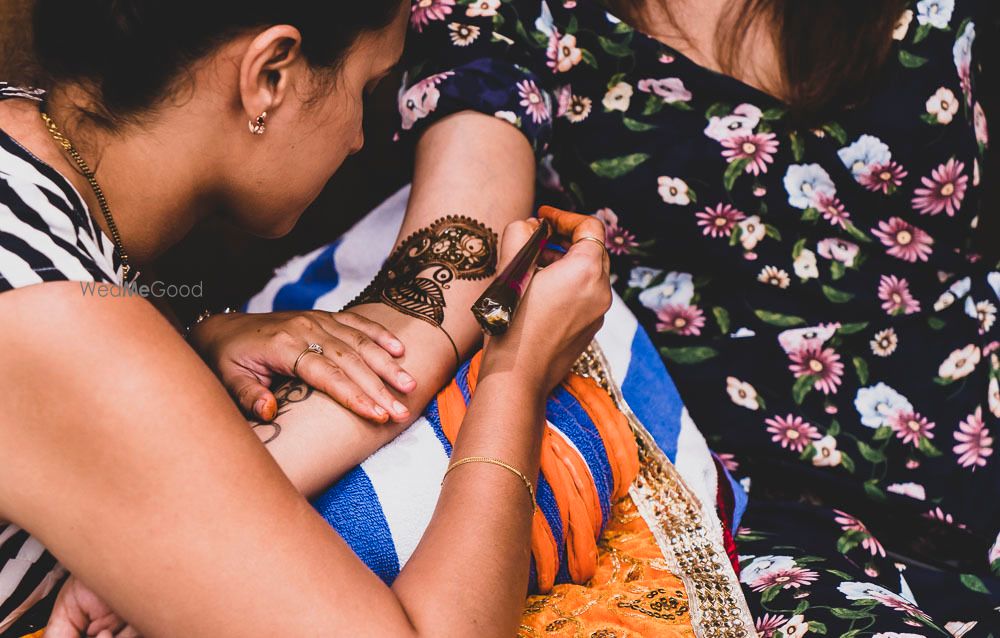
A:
267	67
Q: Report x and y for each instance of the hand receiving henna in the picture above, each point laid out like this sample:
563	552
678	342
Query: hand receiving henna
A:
355	360
80	612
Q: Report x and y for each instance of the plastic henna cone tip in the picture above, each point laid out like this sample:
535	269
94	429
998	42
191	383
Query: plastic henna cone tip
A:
495	309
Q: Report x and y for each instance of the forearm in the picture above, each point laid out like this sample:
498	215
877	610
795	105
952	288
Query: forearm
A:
468	164
471	567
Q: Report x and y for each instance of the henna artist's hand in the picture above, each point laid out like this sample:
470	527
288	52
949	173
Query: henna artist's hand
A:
80	612
563	306
247	351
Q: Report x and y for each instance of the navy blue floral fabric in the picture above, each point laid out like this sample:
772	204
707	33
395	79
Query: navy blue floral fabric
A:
813	290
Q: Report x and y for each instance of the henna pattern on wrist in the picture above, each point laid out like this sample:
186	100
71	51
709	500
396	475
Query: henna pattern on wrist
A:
415	276
290	393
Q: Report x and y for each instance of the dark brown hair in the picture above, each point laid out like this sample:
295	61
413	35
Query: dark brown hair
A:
831	52
128	53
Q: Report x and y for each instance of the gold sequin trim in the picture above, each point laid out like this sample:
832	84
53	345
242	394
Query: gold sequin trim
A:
687	538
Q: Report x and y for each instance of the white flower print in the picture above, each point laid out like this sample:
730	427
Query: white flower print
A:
993	279
879	404
795	627
672	90
957	628
994	554
482	9
774	276
960	363
936	13
863	154
903	26
804	182
839	250
742	121
962	52
912	490
641	277
884	343
563	53
896	634
811	338
827	454
943	105
677	289
507	116
805	265
462	35
742	393
674	191
764	565
752	231
979	123
618	97
421	99
994	396
982	311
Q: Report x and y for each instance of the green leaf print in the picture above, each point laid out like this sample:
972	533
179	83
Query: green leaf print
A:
870	454
772	232
654	104
810	214
974	583
837	270
779	320
922	32
911	61
928	448
834	429
616	167
770	593
637	126
836	131
936	323
851	614
616	49
852	328
837	296
930	118
883	433
798	146
847	462
721	318
874	491
735	169
797	249
773	114
719	109
817	627
803	386
857	233
589	58
689	355
572	26
808	452
861	367
849	540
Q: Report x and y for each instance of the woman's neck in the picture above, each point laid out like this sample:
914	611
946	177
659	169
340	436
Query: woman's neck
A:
692	27
155	176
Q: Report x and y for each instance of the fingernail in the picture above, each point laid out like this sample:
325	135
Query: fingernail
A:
396	345
399	408
258	407
380	411
405	379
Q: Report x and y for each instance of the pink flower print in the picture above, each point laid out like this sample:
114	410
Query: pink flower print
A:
944	190
533	101
719	221
911	427
759	148
937	514
850	524
832	209
979	123
424	11
618	240
788	578
679	319
975	444
904	241
884	177
767	624
822	363
792	432
895	295
840	250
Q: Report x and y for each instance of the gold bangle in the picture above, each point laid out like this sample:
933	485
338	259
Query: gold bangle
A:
497	462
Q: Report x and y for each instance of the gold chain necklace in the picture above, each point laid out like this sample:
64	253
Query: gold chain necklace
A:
67	145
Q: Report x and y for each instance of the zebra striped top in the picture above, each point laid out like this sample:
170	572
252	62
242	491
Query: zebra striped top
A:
46	234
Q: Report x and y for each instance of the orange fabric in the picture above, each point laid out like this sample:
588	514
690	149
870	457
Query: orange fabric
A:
632	592
566	472
37	634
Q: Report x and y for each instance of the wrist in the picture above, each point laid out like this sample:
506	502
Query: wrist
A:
518	383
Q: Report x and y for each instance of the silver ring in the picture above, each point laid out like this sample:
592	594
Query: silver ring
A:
313	348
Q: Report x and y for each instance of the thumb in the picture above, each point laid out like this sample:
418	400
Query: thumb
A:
515	236
251	394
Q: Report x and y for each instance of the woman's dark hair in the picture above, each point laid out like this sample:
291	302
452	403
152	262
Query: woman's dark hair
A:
128	53
832	52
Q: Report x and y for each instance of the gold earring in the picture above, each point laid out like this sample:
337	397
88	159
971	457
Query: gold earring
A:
259	126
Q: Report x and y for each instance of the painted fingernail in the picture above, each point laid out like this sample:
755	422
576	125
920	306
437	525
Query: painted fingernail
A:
380	411
258	407
405	379
399	408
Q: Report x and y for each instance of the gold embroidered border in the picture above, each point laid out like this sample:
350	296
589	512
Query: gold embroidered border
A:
689	538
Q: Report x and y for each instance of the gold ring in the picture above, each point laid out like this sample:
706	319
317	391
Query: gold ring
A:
313	348
597	241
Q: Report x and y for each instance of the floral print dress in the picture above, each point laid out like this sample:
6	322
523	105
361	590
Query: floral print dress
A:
814	291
